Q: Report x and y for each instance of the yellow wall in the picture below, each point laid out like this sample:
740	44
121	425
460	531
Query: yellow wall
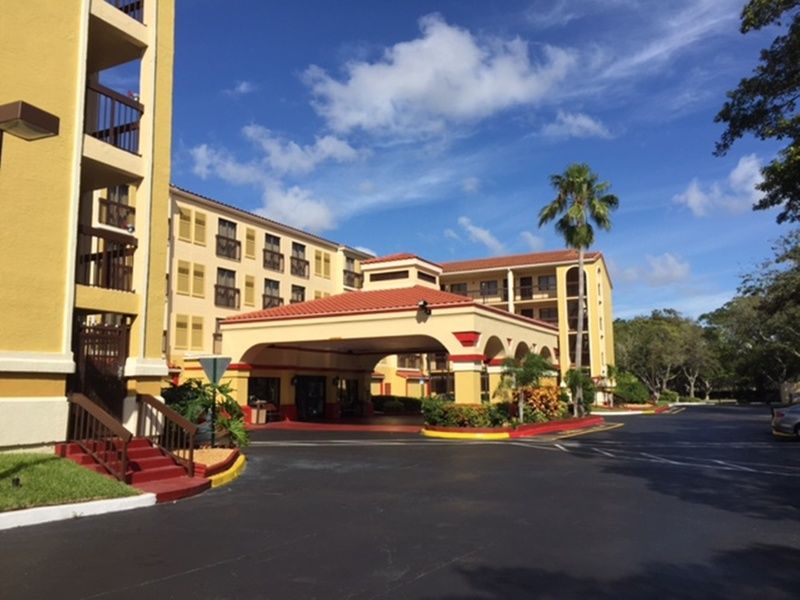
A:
40	63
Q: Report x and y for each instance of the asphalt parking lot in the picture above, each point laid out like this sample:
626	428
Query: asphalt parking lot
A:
701	504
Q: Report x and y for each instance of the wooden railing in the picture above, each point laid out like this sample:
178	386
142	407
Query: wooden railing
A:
132	8
228	247
105	258
299	266
116	214
353	279
273	260
112	117
270	301
99	434
165	428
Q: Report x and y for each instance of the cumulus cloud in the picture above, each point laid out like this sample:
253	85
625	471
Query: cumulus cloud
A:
575	125
661	270
296	206
444	76
481	235
734	195
285	157
241	88
534	242
471	185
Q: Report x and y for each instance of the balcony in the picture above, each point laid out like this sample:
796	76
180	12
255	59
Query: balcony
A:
113	118
299	266
229	247
353	279
133	8
270	301
226	296
273	260
105	259
116	214
485	297
533	292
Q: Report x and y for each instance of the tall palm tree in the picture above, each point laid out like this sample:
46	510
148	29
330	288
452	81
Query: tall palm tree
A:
580	201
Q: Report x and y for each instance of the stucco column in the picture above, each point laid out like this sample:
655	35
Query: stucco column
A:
467	376
495	377
510	280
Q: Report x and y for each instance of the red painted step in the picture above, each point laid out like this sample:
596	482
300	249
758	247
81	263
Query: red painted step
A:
136	477
176	488
151	462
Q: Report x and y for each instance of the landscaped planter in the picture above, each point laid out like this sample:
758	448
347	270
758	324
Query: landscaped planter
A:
504	433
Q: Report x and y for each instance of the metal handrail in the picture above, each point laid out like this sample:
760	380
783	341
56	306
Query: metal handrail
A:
172	432
99	434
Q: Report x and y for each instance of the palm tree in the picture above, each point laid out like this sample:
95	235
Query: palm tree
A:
580	201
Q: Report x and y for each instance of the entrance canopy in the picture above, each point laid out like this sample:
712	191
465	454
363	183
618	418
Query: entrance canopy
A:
354	330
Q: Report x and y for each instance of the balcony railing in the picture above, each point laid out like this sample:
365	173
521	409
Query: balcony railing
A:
229	247
112	117
501	295
105	259
299	267
117	214
353	279
226	296
273	260
533	292
132	8
269	301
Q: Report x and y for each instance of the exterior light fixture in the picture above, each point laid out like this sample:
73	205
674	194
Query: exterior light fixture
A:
423	306
26	122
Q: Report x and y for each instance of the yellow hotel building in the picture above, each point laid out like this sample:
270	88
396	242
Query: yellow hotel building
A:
84	211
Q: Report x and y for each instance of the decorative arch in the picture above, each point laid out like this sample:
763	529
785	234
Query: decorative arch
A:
495	350
521	351
545	353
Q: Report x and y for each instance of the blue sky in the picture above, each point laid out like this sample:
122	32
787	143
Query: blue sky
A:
433	127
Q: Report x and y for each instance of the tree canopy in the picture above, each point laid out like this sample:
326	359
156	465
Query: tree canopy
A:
765	105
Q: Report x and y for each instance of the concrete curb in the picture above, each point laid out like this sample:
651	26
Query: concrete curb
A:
226	477
453	435
61	512
530	430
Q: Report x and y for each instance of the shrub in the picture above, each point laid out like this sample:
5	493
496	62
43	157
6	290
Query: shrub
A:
629	390
668	396
582	379
546	401
393	405
442	413
412	405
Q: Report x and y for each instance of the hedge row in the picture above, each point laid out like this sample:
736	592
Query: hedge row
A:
396	404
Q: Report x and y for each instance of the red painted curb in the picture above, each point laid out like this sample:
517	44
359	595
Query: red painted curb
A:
218	467
564	425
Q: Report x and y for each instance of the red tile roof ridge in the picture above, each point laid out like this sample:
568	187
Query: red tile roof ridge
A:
515	260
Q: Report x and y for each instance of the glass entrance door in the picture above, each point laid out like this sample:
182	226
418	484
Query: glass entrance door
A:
309	397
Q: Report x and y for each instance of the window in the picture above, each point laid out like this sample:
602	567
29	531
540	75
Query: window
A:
488	288
226	277
298	250
264	389
249	290
388	276
272	242
217	348
298	294
272	293
426	277
349	263
546	283
525	288
197	333
458	288
549	314
250	243
199	228
198	280
227	229
318	263
184	224
183	277
225	292
527	312
227	244
181	331
409	361
298	262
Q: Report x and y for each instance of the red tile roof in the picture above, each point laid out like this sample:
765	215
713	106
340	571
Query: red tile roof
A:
516	260
398	256
358	302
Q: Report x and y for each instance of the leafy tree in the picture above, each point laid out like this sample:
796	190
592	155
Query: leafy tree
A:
765	105
581	199
582	382
699	355
628	388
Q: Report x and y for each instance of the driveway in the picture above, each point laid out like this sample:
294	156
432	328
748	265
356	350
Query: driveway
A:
701	504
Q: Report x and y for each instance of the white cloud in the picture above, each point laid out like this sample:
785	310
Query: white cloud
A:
296	206
534	242
557	15
444	76
452	235
366	250
285	157
481	235
661	270
471	185
241	88
219	163
576	125
734	195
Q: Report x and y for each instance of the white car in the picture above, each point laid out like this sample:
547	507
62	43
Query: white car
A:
786	420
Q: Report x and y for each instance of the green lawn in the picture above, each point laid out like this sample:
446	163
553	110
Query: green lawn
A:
46	479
